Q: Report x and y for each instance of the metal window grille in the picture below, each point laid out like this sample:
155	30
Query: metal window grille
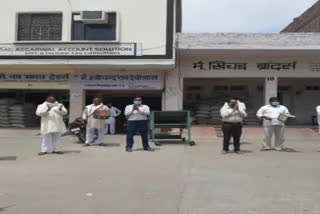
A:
32	27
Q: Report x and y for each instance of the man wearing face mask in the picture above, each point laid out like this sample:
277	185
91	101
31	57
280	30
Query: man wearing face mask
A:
137	115
269	114
94	124
52	125
232	114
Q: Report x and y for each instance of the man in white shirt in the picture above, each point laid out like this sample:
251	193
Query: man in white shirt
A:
137	115
270	113
94	124
232	114
111	121
318	114
52	125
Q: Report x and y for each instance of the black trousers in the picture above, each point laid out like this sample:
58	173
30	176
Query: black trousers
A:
233	130
140	126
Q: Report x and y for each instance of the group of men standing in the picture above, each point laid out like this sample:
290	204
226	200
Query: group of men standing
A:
52	125
233	113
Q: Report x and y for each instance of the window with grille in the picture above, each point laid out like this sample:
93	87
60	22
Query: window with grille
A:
34	27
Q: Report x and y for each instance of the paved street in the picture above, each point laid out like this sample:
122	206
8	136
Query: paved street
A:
175	179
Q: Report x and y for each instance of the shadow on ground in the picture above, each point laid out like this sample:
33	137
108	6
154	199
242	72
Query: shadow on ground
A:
289	150
173	143
3	209
245	151
142	150
111	145
103	145
245	143
8	158
72	151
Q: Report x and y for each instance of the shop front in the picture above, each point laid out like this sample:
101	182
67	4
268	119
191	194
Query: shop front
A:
21	90
118	87
206	78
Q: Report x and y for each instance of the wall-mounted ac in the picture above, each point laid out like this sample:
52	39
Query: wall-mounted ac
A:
94	17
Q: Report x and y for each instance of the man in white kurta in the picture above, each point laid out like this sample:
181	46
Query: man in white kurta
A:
111	121
269	114
52	125
94	124
318	114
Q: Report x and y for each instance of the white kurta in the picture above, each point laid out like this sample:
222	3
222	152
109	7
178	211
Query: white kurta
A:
273	126
111	121
273	113
51	121
52	126
115	112
93	123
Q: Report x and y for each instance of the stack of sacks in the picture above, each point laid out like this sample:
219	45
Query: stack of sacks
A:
215	117
22	116
203	111
215	112
4	111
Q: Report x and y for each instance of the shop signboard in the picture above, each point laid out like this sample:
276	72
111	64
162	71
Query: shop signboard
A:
33	77
68	49
261	66
131	81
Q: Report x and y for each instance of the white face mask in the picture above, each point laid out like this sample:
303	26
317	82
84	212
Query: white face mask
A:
275	104
137	102
51	104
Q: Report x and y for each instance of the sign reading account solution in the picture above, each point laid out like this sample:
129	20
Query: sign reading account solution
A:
69	50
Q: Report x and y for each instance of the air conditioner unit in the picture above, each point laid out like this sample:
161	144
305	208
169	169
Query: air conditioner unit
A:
94	17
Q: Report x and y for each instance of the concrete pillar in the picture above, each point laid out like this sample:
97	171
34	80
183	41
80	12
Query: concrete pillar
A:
173	92
270	88
77	102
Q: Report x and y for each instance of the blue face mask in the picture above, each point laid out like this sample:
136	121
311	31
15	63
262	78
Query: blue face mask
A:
275	103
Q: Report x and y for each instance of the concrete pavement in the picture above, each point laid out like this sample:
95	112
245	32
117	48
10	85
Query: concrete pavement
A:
175	179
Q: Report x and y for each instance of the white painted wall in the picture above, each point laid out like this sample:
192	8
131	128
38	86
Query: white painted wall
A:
141	21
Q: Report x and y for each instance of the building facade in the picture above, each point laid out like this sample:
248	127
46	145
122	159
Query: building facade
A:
116	50
80	49
251	67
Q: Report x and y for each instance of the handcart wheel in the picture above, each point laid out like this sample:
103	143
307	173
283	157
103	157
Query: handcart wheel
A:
192	143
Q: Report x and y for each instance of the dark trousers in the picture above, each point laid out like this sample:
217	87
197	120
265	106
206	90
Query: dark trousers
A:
233	130
140	127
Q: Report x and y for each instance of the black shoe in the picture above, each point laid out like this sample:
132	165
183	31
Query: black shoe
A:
149	149
237	151
128	149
